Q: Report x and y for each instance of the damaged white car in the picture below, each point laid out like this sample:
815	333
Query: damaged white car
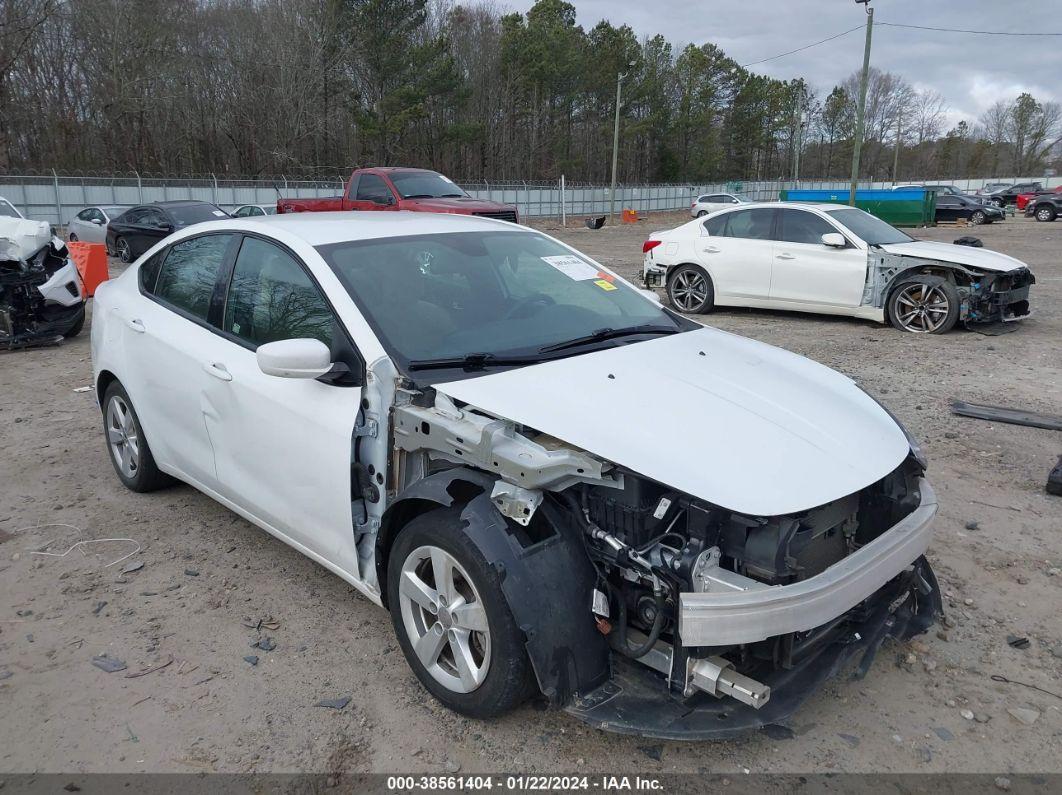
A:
42	299
835	260
462	419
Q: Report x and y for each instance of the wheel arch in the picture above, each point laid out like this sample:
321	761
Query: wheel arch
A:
956	275
103	382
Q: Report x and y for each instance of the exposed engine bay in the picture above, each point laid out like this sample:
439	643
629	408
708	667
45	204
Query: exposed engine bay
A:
652	548
41	296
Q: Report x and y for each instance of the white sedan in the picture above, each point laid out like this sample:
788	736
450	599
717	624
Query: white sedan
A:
432	407
90	225
710	202
836	260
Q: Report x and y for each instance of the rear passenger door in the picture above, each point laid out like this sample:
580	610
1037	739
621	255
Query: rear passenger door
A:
806	271
737	251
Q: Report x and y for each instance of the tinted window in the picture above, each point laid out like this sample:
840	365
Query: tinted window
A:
716	225
372	189
717	199
749	224
188	214
187	277
7	210
272	298
947	201
799	226
242	212
133	216
85	215
149	272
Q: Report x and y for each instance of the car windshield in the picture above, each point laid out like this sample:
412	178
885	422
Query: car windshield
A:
7	210
868	228
489	295
424	185
741	197
113	212
188	214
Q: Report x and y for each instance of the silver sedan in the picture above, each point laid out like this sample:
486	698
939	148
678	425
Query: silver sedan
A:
90	225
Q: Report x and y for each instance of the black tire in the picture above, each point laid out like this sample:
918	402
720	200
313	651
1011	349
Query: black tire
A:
690	289
1045	213
702	213
146	476
79	324
509	679
123	250
73	237
937	286
978	217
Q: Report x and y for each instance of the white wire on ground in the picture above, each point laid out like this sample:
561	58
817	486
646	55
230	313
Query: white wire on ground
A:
80	544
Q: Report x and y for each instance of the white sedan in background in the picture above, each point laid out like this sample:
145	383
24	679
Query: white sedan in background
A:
710	202
254	211
835	260
90	225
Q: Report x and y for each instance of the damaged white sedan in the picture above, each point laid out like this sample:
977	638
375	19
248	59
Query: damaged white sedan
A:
835	260
461	418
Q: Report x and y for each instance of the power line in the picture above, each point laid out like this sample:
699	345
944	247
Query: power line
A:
961	30
799	49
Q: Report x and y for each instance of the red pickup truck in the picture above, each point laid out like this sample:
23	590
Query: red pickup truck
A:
414	189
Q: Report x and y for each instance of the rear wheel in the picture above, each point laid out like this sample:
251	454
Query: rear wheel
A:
690	290
702	213
73	237
924	304
128	447
452	619
1045	213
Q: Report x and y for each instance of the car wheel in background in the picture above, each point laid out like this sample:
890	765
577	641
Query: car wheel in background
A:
121	247
127	447
73	238
924	304
452	620
689	289
1045	213
702	213
79	324
977	218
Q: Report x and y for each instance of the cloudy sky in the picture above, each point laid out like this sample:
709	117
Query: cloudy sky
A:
970	71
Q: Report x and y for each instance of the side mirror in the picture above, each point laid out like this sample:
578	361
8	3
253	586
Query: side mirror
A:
294	358
834	240
97	222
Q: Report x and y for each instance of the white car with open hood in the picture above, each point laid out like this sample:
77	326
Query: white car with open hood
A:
836	260
461	418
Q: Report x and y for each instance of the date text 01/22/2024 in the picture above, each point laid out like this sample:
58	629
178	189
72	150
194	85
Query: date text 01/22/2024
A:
547	783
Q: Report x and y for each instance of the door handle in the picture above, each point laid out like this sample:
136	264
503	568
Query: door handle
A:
710	250
786	256
136	325
218	370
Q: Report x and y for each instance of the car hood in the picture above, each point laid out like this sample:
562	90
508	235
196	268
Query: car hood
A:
981	258
740	424
464	204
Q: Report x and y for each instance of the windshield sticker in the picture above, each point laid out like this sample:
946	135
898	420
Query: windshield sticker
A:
606	286
572	267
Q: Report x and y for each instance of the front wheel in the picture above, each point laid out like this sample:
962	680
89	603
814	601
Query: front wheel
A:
452	619
1046	213
924	304
690	290
125	253
73	237
977	218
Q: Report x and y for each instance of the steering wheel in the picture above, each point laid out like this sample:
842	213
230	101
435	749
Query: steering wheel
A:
529	301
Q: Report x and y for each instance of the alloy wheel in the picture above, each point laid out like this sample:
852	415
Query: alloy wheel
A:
922	308
124	254
977	218
445	619
1044	214
122	436
689	290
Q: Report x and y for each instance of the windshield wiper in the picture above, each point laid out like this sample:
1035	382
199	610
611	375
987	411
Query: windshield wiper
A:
603	334
421	196
472	361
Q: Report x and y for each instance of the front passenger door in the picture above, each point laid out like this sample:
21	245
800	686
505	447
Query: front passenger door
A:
806	271
283	446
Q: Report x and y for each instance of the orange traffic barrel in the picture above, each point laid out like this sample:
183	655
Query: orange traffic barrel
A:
630	216
91	262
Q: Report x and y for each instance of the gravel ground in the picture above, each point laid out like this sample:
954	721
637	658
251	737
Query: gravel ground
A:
205	579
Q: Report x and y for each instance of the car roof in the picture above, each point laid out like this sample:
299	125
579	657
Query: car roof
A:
178	203
322	229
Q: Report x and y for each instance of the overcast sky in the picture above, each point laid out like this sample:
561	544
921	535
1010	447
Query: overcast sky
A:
970	71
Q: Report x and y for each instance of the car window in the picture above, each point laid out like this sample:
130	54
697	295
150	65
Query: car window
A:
188	214
8	210
186	279
149	272
749	224
800	226
372	188
717	199
85	215
240	213
272	298
153	218
715	225
947	201
132	216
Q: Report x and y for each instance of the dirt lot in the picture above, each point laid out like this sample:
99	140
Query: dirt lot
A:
927	706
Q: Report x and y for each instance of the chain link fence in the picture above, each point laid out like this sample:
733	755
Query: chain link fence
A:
56	198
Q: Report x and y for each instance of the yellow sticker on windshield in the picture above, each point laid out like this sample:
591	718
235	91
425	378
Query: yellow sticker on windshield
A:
604	284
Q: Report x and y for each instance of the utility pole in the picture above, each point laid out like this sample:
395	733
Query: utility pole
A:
899	141
857	145
615	145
